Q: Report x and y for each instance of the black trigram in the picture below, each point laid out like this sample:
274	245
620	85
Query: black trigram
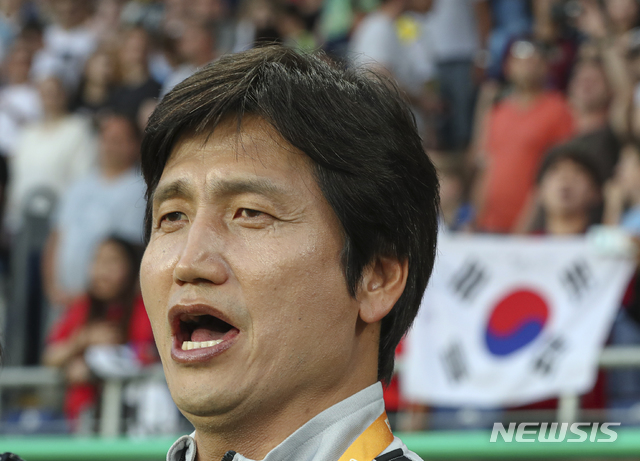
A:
576	279
545	362
468	280
455	363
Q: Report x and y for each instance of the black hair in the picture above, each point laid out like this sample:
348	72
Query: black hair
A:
361	136
579	154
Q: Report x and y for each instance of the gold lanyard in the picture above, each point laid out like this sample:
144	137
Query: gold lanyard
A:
371	442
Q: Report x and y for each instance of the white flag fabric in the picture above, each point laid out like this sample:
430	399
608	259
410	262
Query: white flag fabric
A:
511	320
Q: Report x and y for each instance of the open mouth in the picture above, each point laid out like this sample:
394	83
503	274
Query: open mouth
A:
195	331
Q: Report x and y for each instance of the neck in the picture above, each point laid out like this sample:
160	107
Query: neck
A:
524	97
587	121
566	224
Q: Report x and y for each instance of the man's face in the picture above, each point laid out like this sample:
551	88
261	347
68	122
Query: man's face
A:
245	254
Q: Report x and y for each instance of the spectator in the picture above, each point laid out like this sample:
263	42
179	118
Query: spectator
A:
105	21
49	154
196	47
19	99
601	88
377	44
217	13
110	313
554	28
518	131
257	22
68	43
375	41
457	212
599	113
511	19
107	201
570	194
623	15
570	184
137	85
174	16
101	73
460	30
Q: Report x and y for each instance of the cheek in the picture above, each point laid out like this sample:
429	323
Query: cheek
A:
296	289
546	192
156	278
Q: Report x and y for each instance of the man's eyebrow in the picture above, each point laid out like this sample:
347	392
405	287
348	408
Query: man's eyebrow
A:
221	188
175	189
260	186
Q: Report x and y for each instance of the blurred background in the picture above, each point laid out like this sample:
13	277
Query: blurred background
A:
529	109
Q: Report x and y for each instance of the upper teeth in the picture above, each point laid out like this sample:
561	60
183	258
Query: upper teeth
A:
188	345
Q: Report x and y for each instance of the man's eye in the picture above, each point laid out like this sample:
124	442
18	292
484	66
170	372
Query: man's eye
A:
248	213
174	216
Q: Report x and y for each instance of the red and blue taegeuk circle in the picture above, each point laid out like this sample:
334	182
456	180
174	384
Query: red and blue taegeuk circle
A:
515	321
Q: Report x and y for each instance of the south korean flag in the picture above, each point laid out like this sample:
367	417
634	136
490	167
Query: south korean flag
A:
511	320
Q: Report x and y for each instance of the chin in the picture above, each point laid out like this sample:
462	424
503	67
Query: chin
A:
198	402
201	406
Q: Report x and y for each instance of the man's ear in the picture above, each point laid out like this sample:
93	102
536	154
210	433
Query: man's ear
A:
383	282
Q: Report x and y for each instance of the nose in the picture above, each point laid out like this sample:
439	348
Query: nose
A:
201	260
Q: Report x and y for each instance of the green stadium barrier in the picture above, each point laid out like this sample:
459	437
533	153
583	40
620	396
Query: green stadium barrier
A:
429	445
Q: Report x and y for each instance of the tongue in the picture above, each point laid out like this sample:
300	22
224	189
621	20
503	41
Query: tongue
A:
205	334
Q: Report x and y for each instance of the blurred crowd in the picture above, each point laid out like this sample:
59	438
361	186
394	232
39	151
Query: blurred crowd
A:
529	108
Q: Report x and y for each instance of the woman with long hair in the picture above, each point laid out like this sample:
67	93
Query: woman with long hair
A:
111	313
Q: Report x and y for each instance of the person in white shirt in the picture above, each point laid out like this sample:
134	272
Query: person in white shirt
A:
106	201
459	31
197	47
377	44
49	154
68	43
19	99
375	40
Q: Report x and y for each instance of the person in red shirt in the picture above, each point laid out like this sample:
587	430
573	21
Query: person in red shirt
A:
518	132
112	312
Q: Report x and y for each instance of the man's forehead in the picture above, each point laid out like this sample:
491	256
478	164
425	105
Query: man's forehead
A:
252	151
250	138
